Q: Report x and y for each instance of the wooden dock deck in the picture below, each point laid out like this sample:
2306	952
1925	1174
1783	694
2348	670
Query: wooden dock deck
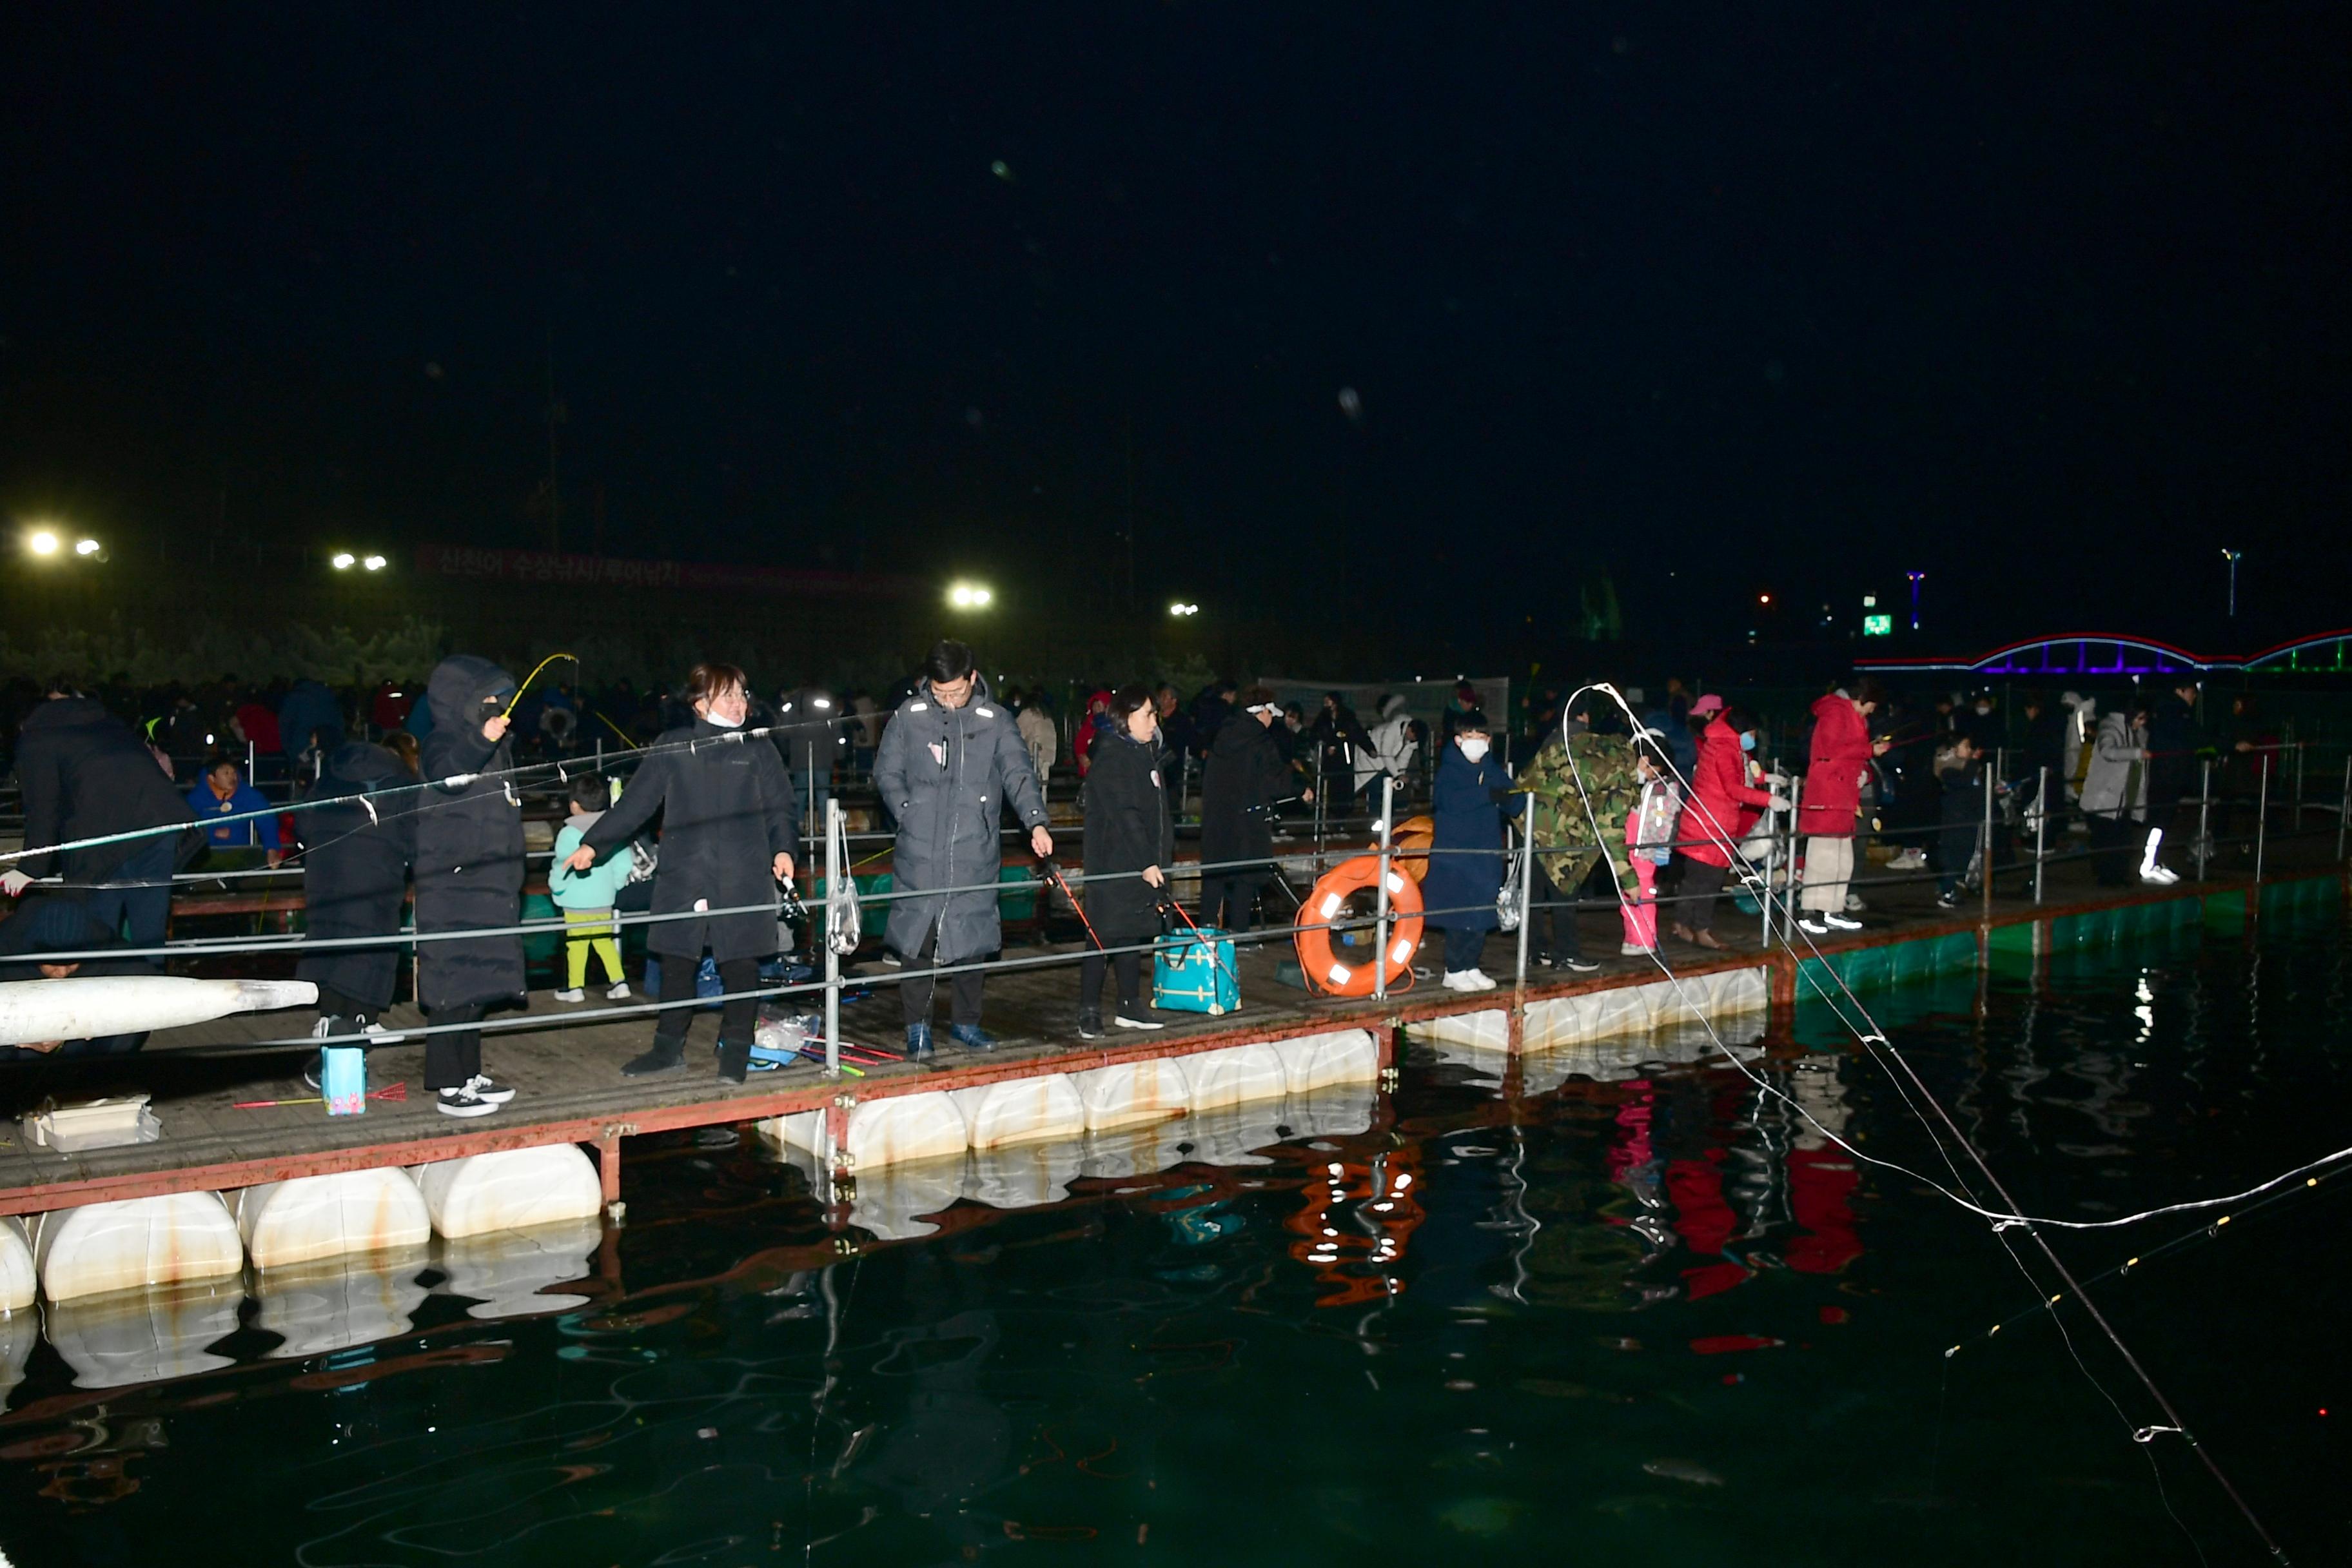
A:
569	1088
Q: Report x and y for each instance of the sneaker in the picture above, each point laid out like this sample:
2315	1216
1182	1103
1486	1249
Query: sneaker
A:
573	995
379	1035
1853	904
1839	922
1136	1017
1811	925
2160	876
971	1036
481	1086
891	960
919	1042
667	1056
1090	1024
1633	950
310	1071
462	1102
617	992
1948	901
1467	980
1574	966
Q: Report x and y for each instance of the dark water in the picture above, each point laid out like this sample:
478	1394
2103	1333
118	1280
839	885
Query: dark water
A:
1654	1318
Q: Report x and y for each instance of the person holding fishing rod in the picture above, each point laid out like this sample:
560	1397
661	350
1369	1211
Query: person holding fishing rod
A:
1131	840
728	838
1244	776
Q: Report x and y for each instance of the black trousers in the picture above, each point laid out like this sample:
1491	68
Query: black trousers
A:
1129	969
2112	840
451	1059
334	1003
915	996
1464	949
1702	883
1230	901
738	1015
141	913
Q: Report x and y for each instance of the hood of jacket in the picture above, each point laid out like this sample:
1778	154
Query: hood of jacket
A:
361	767
65	712
1394	708
460	686
1830	703
1238	733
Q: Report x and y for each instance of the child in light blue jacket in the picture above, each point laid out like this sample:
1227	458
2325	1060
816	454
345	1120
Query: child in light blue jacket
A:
587	897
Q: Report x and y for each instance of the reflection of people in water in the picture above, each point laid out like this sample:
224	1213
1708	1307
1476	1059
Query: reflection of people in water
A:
953	1438
1822	1176
1358	1252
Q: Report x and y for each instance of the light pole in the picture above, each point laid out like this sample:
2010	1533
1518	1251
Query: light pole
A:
1916	577
2231	556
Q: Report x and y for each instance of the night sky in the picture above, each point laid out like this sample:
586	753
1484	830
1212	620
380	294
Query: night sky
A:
2046	302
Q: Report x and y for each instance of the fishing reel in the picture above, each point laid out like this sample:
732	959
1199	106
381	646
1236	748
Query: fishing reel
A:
789	903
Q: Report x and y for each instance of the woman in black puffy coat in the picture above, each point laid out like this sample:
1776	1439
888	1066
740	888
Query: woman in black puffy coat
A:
1129	842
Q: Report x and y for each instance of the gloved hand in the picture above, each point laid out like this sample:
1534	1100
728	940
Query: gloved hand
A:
13	882
1780	803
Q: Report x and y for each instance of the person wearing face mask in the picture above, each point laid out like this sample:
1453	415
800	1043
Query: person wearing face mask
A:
1467	804
952	761
728	839
1247	771
469	864
1130	839
1725	802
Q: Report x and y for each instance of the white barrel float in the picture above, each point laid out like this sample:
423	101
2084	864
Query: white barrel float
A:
339	1302
85	1007
1488	1030
1133	1094
166	1240
1554	1022
145	1336
1236	1075
19	1280
1022	1175
1022	1110
312	1218
892	1132
511	1189
508	1272
1310	1062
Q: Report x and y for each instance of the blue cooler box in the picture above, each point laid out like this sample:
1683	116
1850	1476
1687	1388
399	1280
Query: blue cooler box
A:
1195	973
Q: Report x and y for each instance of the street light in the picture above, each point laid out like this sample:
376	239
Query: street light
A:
968	596
373	563
41	542
343	560
86	547
2231	556
1180	609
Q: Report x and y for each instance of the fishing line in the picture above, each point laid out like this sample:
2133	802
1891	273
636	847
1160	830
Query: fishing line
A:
2175	1422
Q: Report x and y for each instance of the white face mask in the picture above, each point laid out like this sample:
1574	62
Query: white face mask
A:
722	720
1474	748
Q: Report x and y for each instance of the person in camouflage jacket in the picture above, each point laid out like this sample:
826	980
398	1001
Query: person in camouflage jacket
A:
1560	819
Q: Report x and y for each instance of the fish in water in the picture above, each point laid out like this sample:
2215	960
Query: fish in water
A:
1683	1470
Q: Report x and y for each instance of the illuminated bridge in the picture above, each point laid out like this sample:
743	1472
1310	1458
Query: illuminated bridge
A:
2108	653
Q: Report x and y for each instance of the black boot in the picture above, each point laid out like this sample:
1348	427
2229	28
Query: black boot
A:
1090	1023
734	1060
668	1055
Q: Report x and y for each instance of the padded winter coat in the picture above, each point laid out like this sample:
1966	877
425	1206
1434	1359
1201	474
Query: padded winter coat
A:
1840	756
1245	775
1459	890
470	859
727	813
948	774
1127	828
1723	804
2118	770
84	775
356	869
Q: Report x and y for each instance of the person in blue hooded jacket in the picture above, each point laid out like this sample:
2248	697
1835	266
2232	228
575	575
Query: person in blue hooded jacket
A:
1470	797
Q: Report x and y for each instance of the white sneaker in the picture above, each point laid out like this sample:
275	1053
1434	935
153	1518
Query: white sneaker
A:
1632	949
1811	925
1853	904
1839	922
574	994
378	1035
617	992
487	1089
460	1102
2158	876
1467	980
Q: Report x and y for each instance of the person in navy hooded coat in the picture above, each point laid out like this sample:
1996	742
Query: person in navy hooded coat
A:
1472	797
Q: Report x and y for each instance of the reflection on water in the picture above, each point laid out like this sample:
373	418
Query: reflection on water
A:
1621	1297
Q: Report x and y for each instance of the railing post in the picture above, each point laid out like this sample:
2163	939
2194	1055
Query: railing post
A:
2041	824
1789	880
1322	799
1527	883
1764	894
2261	822
2344	808
831	953
1984	846
2204	817
1380	925
2301	749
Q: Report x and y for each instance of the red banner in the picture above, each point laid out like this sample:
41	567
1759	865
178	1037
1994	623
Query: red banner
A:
546	568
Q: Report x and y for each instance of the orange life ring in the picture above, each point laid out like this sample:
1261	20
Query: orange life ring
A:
1323	968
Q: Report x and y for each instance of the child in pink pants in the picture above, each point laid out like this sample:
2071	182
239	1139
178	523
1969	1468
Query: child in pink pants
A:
1650	836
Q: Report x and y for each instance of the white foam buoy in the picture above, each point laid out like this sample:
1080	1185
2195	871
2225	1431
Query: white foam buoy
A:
906	1127
1236	1075
88	1007
509	1189
339	1302
1488	1030
145	1336
1022	1110
312	1218
1310	1062
167	1240
1132	1094
20	1281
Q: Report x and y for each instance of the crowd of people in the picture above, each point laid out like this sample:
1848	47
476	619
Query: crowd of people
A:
432	804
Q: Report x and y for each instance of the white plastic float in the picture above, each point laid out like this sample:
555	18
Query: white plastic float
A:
1133	1094
1236	1075
20	1281
1022	1110
339	1302
105	1247
312	1218
145	1336
1310	1062
88	1007
511	1189
1488	1030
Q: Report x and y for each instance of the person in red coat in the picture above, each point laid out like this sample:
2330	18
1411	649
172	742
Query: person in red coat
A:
1726	801
1840	760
